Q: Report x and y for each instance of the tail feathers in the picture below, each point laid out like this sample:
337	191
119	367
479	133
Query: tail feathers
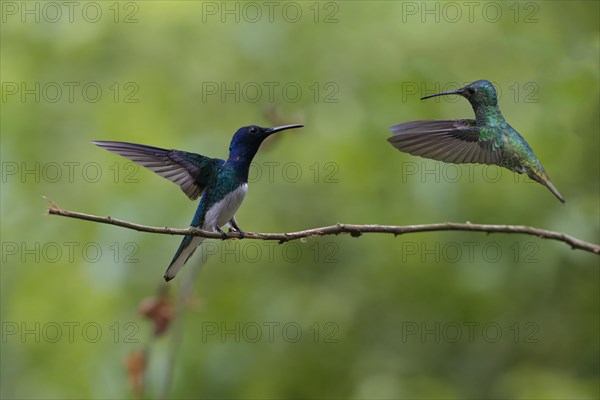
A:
184	252
544	180
554	191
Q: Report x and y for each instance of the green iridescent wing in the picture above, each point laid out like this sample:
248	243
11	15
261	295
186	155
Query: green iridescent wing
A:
191	171
453	141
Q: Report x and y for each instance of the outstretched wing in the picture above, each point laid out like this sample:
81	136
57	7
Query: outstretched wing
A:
192	172
453	141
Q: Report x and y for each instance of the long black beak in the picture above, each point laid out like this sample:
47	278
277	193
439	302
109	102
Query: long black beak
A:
458	92
283	128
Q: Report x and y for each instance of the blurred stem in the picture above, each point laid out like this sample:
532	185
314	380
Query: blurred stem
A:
186	288
353	230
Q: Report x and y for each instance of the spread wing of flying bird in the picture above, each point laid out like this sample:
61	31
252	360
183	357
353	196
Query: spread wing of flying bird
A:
191	171
453	141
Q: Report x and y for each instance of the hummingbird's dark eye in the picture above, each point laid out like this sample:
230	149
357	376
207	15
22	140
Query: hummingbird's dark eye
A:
471	91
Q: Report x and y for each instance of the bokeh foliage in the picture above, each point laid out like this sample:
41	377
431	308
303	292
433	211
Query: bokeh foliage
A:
373	290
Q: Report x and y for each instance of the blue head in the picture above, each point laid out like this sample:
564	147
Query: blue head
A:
247	140
479	93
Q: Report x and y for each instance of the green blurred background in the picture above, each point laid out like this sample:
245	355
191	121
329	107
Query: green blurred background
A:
435	315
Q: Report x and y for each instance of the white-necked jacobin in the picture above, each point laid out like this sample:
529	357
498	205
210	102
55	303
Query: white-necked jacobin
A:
488	139
222	184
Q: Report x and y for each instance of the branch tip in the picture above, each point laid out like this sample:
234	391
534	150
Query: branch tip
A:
53	205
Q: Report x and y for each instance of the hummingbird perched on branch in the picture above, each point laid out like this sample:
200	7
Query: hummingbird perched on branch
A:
488	139
222	184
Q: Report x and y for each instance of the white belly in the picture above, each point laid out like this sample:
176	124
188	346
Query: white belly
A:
222	212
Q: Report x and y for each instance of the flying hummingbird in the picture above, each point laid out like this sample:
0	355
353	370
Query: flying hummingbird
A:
488	139
222	184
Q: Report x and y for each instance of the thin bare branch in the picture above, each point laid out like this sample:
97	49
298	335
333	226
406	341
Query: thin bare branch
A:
352	230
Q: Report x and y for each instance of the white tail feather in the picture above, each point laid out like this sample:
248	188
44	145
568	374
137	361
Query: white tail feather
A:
179	262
